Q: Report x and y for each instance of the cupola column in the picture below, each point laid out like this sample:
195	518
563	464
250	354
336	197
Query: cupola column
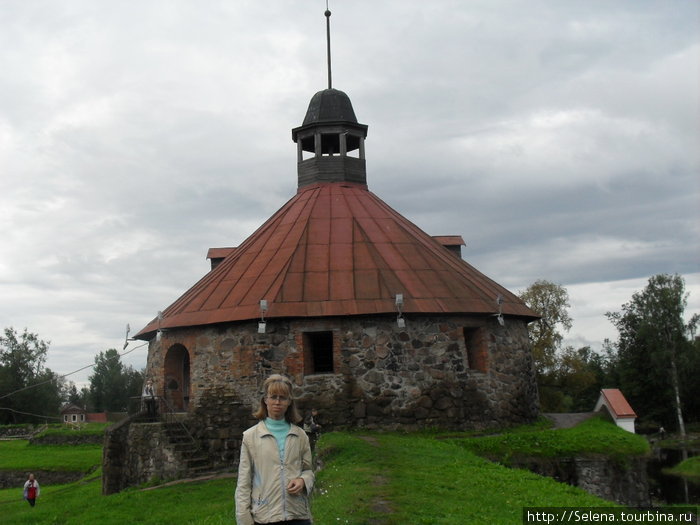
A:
344	143
318	147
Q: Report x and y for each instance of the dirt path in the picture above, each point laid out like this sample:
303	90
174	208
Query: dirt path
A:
208	477
379	504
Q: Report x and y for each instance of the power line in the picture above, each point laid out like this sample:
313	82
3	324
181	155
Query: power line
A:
68	374
29	414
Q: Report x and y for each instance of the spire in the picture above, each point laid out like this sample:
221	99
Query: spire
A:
331	133
328	43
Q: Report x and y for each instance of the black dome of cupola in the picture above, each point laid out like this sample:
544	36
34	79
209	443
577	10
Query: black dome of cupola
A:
334	138
329	105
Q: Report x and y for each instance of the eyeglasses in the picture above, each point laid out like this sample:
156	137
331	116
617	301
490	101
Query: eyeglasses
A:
283	399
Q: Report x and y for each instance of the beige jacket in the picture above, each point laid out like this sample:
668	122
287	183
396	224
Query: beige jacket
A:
261	490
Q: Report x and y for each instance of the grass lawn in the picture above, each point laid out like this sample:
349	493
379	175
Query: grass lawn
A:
81	503
382	478
20	455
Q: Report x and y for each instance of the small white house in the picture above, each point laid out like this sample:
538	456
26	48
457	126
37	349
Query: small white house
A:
73	414
612	400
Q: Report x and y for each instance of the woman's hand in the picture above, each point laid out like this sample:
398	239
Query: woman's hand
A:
296	486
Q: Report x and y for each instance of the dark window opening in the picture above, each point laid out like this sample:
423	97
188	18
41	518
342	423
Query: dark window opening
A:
318	350
353	142
477	348
330	144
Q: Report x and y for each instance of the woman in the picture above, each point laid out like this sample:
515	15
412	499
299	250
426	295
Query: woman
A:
275	476
31	490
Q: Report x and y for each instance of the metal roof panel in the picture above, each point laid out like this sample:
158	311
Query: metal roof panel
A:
337	249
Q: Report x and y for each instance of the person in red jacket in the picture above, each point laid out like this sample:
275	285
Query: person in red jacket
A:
31	490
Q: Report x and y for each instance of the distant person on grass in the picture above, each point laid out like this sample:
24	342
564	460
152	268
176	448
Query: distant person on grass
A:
31	490
275	476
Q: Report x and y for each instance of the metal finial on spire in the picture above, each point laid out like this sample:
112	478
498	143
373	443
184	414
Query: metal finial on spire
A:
328	43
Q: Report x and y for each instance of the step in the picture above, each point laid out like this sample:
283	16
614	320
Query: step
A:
198	462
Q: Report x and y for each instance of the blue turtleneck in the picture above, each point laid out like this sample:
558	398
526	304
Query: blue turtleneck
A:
279	429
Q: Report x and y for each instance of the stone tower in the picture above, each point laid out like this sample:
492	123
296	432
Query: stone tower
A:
377	323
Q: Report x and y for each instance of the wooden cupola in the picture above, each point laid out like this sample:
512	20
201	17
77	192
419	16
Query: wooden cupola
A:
336	141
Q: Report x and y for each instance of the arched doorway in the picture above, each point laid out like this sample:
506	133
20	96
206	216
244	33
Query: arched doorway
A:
177	377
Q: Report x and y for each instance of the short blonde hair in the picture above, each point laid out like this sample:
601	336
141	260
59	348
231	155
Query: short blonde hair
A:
277	384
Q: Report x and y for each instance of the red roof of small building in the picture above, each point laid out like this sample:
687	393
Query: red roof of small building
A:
336	249
72	408
220	253
450	240
617	403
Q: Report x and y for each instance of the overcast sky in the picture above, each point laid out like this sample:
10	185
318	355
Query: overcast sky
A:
561	139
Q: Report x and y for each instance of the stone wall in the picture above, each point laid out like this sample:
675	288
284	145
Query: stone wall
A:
382	377
76	438
218	422
115	451
14	479
18	431
624	482
137	453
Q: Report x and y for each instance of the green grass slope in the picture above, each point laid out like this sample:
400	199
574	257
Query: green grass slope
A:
404	479
367	478
593	437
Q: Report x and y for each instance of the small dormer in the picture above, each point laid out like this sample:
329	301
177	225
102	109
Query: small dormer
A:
453	243
216	255
330	142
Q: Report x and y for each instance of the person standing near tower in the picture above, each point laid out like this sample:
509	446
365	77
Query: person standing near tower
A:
275	475
148	396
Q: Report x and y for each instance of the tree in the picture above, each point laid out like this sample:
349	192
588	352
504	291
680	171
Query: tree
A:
112	383
653	341
27	388
551	302
579	375
77	397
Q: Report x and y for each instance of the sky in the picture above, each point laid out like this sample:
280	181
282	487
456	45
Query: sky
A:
560	139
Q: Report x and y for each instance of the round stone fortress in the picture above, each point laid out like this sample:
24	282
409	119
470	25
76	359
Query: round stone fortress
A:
377	323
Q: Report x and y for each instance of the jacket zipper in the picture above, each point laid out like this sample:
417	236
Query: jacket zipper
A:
284	477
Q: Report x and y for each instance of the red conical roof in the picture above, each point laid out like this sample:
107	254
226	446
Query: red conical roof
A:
336	249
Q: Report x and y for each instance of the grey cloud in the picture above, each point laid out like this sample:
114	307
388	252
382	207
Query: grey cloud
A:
559	138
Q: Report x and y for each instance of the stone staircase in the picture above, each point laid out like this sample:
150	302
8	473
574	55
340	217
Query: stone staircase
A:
194	461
